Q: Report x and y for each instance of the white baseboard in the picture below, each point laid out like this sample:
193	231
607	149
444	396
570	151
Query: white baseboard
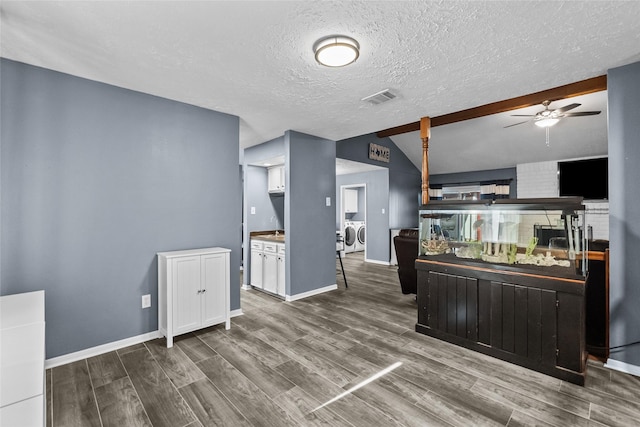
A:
246	287
112	346
375	261
623	367
98	350
311	293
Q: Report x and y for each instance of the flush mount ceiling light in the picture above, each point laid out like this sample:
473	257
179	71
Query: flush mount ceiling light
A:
336	51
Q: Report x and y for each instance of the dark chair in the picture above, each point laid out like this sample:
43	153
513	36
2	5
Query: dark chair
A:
406	245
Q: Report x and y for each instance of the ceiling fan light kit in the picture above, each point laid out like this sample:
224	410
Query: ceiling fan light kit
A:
546	122
336	51
547	117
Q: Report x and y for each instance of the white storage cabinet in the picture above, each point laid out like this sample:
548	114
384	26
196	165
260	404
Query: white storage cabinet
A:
350	200
193	290
257	262
22	382
270	268
281	272
275	179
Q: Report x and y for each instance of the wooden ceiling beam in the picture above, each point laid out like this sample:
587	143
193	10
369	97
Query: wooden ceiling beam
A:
583	87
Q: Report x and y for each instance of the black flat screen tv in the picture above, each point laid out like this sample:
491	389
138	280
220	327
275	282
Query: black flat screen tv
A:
588	178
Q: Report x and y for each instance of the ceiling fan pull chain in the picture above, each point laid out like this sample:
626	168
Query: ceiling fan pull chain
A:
547	141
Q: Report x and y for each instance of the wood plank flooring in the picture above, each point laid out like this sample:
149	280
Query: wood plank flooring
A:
281	361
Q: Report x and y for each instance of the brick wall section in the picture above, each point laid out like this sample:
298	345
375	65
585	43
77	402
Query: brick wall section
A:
539	180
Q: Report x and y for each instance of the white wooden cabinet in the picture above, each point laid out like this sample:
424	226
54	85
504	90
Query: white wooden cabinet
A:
257	261
281	272
275	178
193	290
350	200
270	268
267	266
22	382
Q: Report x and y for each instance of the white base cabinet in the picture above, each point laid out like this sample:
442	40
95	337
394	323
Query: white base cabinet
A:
268	266
193	290
281	273
257	261
22	382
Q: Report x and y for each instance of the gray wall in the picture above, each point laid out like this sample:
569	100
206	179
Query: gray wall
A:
401	192
404	189
624	207
378	236
310	164
264	151
95	180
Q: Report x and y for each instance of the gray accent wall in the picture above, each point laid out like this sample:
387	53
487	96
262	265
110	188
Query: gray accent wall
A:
400	194
624	211
310	239
405	179
95	180
377	222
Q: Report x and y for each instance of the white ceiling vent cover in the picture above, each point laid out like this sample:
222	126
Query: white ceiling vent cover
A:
379	97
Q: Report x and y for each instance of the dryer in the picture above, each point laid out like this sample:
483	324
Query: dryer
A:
360	234
350	237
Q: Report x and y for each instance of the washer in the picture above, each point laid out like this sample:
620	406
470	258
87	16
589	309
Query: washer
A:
360	234
349	237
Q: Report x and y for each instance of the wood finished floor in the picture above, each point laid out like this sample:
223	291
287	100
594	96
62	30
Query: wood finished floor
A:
281	360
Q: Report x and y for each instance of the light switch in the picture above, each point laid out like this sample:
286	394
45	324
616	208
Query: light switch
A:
328	201
382	211
253	210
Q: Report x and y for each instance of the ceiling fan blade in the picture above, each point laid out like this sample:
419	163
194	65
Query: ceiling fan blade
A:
523	115
515	124
566	108
581	113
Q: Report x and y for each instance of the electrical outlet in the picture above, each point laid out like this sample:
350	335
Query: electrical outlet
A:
146	301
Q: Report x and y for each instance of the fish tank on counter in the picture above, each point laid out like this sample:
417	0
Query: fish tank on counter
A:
538	233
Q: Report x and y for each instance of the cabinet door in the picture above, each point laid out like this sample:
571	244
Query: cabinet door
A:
281	178
350	200
270	270
256	268
214	288
281	276
275	178
186	294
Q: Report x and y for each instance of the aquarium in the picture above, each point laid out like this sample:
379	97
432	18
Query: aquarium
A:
518	232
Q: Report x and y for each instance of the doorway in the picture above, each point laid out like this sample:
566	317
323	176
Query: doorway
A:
353	217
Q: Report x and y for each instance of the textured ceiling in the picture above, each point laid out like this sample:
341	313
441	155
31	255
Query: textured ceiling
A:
255	59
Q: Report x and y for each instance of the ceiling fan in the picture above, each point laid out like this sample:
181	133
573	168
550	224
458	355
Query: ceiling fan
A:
547	117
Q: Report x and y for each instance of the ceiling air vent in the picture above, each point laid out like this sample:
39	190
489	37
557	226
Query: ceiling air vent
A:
379	97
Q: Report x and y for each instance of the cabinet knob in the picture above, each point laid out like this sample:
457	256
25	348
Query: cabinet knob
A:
203	291
199	290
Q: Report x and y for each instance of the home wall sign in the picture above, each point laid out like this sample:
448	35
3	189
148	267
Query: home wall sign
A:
378	152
